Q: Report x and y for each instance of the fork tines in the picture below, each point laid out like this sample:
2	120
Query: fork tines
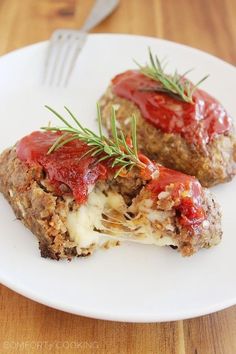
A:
62	53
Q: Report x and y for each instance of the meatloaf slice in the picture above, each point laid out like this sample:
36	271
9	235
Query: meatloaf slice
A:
216	164
116	209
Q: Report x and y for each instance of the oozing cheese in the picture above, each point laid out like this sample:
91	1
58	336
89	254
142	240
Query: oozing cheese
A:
83	223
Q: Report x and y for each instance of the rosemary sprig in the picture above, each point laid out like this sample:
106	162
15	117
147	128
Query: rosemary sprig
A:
120	154
175	85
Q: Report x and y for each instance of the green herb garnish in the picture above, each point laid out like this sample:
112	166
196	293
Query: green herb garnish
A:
175	85
117	150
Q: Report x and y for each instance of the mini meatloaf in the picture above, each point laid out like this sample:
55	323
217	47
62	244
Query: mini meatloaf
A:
196	138
73	203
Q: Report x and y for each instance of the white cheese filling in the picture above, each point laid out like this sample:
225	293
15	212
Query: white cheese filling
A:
83	223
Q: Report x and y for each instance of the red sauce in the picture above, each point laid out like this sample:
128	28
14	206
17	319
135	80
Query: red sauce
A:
198	123
63	166
67	166
186	192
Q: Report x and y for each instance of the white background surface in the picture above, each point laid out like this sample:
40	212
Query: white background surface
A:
131	282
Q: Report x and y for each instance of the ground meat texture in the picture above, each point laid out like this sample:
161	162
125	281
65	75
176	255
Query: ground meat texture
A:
39	209
37	205
207	235
216	165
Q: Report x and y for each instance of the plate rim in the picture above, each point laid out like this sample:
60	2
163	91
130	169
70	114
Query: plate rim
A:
101	315
100	34
137	318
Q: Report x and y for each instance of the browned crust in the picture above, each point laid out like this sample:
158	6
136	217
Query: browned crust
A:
217	165
40	210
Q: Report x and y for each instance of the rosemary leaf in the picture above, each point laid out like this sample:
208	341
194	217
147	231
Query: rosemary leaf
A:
59	116
113	127
99	116
58	140
175	85
134	135
117	150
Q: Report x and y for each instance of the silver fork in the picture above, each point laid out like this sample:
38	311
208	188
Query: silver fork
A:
65	45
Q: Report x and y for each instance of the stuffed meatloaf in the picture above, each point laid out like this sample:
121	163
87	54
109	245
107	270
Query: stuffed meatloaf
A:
71	201
195	137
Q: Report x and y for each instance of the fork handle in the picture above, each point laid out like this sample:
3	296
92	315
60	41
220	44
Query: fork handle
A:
99	12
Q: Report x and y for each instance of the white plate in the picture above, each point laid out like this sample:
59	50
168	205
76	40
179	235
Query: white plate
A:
132	282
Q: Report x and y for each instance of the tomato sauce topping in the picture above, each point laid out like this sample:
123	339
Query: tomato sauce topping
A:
198	122
65	165
186	192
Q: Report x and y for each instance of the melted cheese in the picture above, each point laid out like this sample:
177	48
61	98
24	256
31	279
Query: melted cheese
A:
83	223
